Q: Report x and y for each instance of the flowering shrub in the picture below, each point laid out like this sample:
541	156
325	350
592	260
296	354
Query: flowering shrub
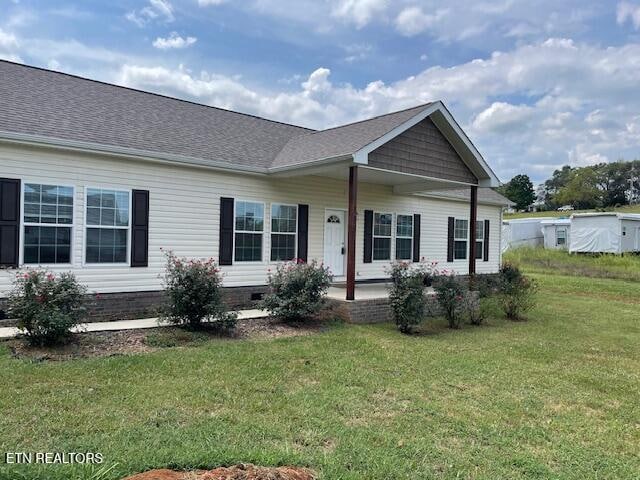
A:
428	269
451	292
473	308
193	294
517	292
297	290
406	295
47	307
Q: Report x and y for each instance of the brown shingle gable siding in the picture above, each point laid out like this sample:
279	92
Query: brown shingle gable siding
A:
422	150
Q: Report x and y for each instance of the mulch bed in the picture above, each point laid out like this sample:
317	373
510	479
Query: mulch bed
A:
238	472
121	342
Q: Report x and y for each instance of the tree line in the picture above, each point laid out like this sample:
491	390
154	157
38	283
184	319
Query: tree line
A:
595	186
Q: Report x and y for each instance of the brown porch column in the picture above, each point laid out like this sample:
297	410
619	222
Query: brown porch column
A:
351	233
473	217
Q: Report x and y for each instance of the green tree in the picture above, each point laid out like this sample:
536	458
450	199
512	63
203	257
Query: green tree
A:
581	191
519	190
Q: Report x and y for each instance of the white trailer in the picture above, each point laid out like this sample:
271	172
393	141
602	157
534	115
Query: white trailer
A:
556	233
522	232
606	232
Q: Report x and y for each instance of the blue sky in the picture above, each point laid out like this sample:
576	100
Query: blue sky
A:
536	84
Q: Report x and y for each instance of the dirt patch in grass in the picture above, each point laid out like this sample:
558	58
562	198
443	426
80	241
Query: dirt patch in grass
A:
238	472
122	342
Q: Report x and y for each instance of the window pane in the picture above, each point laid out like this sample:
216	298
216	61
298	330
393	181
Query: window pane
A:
31	254
249	216
32	212
93	253
122	212
283	218
404	227
248	247
93	236
65	214
461	229
65	196
31	235
460	250
48	213
382	224
50	194
47	244
403	249
47	254
108	199
381	248
93	197
63	254
93	216
283	247
479	229
108	217
31	193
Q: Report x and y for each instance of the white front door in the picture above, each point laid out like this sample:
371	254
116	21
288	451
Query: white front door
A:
334	241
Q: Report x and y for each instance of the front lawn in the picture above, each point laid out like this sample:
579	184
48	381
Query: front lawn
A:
554	397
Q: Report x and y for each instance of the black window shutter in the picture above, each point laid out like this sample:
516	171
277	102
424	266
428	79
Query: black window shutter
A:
452	222
225	255
140	229
9	222
416	237
485	256
368	236
303	231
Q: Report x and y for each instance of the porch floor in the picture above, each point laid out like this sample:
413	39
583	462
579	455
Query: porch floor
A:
365	291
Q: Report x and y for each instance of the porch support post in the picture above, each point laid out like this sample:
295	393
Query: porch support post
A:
351	233
473	217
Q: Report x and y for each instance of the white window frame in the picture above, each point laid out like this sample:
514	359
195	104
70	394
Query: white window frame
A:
558	229
460	239
390	237
86	226
396	236
266	216
480	241
71	225
271	232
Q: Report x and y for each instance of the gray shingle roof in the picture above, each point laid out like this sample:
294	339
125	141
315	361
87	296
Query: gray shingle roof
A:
42	102
343	140
485	195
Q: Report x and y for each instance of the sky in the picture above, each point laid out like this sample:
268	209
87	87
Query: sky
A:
536	84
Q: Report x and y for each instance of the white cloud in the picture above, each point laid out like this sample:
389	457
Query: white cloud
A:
205	3
8	41
628	11
501	117
173	41
359	12
156	10
413	21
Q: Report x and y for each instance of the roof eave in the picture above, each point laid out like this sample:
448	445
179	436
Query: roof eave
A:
111	150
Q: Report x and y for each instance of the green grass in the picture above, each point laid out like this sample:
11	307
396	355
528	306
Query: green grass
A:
540	260
553	397
554	213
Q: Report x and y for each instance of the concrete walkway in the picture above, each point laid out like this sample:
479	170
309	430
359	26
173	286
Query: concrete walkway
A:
10	332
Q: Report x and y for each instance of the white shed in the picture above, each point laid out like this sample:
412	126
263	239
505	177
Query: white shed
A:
606	232
522	232
556	232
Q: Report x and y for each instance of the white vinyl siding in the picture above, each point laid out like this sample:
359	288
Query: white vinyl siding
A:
185	210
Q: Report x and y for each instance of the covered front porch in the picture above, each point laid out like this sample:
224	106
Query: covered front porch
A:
407	154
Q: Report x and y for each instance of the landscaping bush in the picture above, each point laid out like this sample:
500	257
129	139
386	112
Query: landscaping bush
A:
473	308
193	291
47	307
517	292
450	293
406	295
297	290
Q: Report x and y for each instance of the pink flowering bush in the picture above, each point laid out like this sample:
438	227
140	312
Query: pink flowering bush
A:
297	290
451	294
517	292
46	306
406	294
193	291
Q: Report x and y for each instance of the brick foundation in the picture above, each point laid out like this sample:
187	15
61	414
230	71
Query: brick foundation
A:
378	310
130	305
